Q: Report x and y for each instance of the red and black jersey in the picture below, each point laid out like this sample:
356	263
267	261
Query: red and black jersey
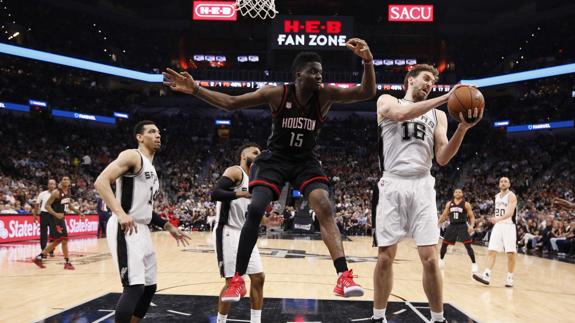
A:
59	204
295	126
457	213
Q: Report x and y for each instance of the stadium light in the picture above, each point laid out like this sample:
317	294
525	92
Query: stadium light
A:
523	76
158	78
79	63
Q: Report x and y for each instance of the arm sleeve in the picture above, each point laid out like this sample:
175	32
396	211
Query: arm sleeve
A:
222	190
157	220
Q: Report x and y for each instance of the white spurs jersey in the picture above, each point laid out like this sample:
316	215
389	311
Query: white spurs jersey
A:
501	203
137	192
406	147
233	213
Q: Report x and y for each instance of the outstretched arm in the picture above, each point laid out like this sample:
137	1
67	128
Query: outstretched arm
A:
185	83
367	89
562	203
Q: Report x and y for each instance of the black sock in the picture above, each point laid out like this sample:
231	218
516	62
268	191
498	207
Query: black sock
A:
39	256
443	250
67	260
470	252
340	265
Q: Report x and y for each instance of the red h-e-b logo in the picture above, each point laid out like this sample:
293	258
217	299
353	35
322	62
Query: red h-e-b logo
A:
215	10
410	13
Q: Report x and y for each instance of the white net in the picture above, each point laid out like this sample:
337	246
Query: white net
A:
257	8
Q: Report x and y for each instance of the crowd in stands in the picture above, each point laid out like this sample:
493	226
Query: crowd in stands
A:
194	156
538	168
516	48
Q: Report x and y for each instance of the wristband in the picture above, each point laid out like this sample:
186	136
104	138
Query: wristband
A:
370	62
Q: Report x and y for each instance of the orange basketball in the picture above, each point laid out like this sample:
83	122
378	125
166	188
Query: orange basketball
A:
465	98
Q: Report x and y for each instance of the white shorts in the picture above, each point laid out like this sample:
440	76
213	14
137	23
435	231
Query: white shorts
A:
226	241
134	254
503	238
406	207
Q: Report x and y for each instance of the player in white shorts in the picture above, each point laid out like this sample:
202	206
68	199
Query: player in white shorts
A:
412	131
132	208
504	233
232	196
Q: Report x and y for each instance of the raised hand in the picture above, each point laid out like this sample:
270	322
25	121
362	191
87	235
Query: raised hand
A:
181	82
359	47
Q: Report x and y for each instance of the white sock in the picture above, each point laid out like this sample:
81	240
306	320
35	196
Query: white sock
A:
378	314
255	316
509	275
437	316
487	271
222	318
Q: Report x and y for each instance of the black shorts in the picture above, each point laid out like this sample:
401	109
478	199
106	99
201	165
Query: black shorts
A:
456	232
58	230
273	170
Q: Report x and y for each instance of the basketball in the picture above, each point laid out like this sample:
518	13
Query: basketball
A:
465	98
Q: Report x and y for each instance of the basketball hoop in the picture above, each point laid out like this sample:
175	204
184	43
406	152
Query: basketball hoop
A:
257	8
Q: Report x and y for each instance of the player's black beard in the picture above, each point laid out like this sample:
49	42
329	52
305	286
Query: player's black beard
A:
249	162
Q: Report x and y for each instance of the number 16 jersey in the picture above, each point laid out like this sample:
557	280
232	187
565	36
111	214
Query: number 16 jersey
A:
137	192
406	147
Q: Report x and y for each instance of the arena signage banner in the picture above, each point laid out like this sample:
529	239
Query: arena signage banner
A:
310	32
22	227
215	10
410	13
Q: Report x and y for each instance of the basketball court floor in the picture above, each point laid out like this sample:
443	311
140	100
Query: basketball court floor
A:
299	282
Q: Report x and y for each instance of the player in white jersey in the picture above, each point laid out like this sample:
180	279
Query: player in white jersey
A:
504	234
45	217
233	197
412	132
132	208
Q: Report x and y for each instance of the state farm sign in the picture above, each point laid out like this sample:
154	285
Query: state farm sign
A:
215	10
410	13
22	227
310	32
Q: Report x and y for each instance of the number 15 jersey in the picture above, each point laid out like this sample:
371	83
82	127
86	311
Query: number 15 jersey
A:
406	147
137	192
295	126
